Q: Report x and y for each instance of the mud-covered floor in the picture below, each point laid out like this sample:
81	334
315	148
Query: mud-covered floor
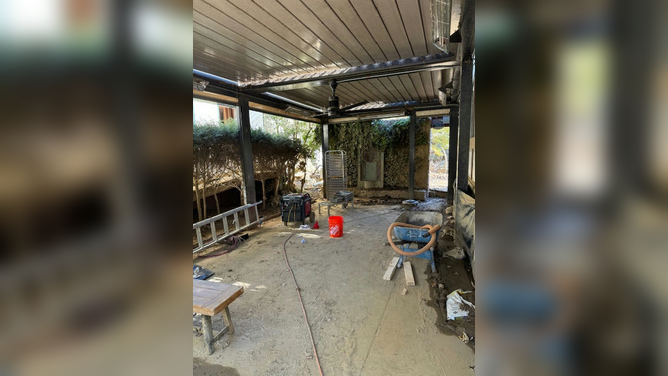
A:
453	274
362	324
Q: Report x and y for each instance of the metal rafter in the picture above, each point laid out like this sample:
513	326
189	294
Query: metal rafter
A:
363	72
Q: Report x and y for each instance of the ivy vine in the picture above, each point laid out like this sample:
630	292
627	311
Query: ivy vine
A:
388	136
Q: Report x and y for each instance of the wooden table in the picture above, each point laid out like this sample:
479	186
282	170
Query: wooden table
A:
210	298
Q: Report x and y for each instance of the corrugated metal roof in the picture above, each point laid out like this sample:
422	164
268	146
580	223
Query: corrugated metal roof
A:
251	40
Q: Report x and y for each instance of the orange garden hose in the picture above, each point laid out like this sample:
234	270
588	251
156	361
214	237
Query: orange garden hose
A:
432	231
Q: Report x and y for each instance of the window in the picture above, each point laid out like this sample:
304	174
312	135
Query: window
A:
205	112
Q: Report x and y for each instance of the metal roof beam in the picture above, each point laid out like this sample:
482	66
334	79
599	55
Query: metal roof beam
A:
363	72
394	109
225	93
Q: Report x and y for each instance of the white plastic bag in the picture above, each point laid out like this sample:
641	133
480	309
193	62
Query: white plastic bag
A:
454	305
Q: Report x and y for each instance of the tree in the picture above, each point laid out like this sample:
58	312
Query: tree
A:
440	144
303	132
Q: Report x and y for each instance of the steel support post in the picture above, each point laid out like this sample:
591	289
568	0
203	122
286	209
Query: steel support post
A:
452	153
466	93
465	112
324	136
246	150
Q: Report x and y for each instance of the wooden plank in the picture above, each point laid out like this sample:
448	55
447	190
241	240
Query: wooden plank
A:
408	273
221	333
205	293
227	318
208	333
216	97
209	285
211	297
390	270
216	297
219	303
199	301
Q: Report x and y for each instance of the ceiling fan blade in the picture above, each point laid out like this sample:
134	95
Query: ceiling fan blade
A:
303	112
346	108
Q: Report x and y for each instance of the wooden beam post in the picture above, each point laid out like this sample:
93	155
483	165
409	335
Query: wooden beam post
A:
207	330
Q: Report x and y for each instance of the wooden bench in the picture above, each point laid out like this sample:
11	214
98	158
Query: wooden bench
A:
210	298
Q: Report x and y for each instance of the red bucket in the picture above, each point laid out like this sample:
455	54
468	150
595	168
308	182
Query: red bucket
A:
335	226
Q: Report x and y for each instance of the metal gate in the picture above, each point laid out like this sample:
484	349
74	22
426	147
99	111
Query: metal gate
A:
335	168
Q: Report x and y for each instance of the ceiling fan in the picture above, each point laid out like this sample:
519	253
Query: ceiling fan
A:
333	110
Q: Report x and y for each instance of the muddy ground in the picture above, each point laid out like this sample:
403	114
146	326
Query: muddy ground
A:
362	324
202	368
452	274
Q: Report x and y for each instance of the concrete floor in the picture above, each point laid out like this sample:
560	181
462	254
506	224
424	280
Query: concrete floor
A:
362	324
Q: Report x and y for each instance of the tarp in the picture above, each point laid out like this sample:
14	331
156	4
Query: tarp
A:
464	213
